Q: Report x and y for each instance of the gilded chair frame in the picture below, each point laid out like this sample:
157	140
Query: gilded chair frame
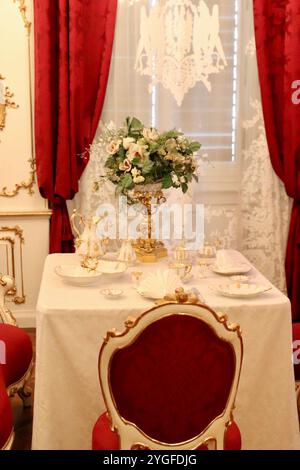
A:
130	436
9	443
21	388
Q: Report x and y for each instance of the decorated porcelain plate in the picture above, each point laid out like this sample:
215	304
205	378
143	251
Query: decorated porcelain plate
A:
229	270
241	290
77	275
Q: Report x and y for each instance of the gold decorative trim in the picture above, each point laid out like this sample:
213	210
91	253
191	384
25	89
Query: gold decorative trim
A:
25	185
45	213
20	386
23	11
18	231
7	287
9	443
18	298
8	103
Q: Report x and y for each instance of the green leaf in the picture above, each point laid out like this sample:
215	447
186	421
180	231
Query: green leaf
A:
127	122
127	182
153	147
196	177
147	167
184	187
136	124
110	162
167	182
136	161
171	134
121	152
195	146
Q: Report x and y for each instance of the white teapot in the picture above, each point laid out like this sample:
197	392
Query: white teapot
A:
87	244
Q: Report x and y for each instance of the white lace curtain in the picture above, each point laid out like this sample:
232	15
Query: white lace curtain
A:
257	225
264	206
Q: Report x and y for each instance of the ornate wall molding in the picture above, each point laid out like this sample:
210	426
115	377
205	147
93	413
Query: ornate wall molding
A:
13	240
23	11
44	214
5	102
28	184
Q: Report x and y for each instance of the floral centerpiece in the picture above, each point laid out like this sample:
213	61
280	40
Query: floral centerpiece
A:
139	156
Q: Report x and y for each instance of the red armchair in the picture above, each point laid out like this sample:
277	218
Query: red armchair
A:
169	381
15	370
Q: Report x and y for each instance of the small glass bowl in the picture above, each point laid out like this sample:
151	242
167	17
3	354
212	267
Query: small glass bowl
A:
111	293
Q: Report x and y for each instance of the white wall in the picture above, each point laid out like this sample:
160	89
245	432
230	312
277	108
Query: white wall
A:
24	215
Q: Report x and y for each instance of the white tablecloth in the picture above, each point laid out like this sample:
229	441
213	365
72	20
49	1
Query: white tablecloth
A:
71	322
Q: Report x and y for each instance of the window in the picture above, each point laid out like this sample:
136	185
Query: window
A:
207	116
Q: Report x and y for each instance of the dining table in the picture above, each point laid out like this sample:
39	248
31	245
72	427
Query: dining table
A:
72	320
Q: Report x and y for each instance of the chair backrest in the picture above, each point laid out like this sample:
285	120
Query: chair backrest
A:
170	378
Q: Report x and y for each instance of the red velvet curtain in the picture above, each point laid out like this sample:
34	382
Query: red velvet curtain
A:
277	30
73	45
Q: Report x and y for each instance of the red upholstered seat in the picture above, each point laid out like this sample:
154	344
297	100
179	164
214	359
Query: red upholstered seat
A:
18	353
105	439
6	419
178	378
169	381
17	359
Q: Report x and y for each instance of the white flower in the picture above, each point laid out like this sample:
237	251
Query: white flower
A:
181	139
137	151
171	144
135	172
150	133
138	179
175	179
179	159
113	147
125	165
182	179
127	141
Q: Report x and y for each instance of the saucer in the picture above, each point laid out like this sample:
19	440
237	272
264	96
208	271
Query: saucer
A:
112	293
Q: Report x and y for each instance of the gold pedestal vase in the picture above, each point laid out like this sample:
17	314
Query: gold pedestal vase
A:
149	250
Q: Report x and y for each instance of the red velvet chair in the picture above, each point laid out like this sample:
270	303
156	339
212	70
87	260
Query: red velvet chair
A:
6	418
15	370
169	381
